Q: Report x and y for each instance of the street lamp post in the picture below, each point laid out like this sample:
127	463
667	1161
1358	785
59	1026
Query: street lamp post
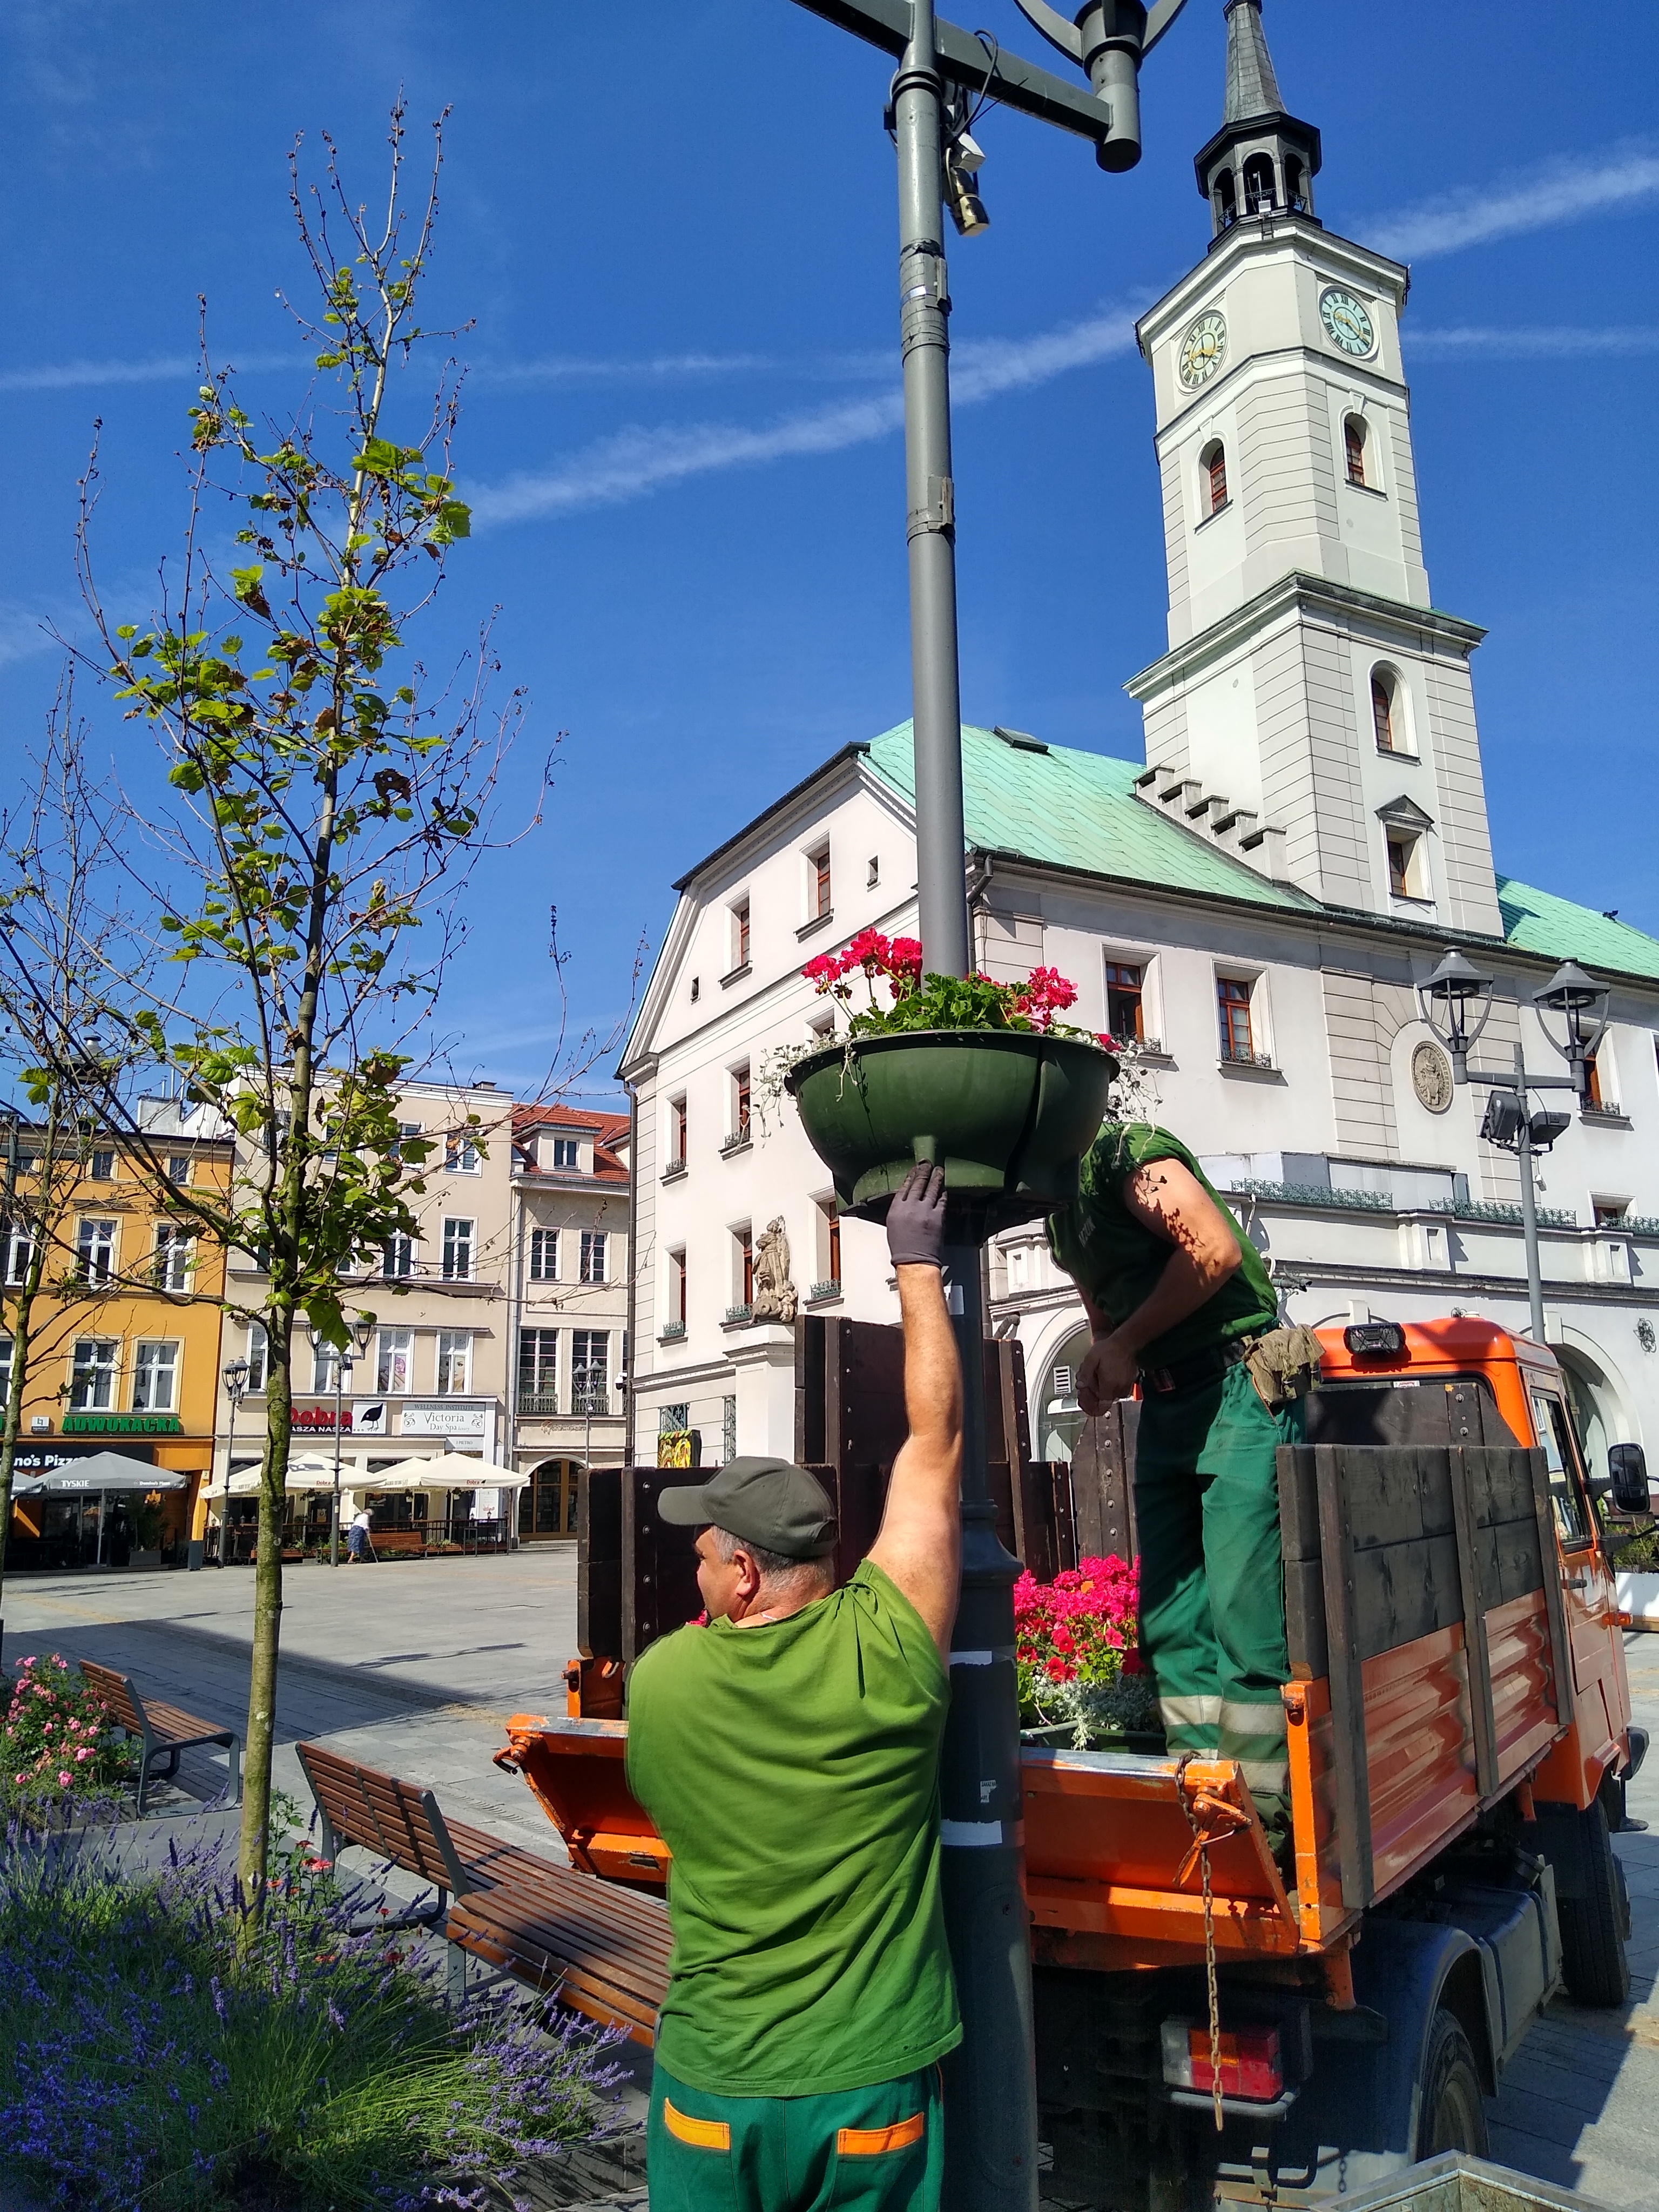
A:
990	2081
1446	998
345	1363
234	1376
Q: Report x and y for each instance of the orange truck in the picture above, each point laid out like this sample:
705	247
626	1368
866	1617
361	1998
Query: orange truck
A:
1207	2029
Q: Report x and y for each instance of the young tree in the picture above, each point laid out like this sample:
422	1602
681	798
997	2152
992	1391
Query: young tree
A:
324	810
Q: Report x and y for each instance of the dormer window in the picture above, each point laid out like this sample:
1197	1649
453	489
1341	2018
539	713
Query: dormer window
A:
1212	468
565	1152
1354	447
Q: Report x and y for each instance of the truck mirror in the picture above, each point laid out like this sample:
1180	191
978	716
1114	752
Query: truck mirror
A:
1627	1466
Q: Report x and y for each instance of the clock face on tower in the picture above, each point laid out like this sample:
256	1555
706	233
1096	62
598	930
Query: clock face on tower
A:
1202	351
1346	322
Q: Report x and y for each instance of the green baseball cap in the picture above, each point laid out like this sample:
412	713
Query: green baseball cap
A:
770	1502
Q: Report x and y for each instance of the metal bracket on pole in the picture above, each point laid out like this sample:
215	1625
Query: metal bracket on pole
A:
941	511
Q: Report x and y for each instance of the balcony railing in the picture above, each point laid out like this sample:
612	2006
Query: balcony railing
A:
1237	1056
538	1405
829	1290
738	1139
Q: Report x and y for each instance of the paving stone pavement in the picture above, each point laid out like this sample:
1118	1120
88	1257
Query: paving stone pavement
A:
414	1666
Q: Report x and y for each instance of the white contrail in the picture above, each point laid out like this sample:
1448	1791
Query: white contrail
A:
639	460
76	375
1549	196
1559	340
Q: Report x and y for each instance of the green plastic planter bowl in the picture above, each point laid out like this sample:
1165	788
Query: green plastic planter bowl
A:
1007	1113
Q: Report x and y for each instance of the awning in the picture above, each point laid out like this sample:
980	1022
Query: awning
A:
441	1471
105	1473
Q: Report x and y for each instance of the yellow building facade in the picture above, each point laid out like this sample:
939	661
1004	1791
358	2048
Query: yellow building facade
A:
126	1352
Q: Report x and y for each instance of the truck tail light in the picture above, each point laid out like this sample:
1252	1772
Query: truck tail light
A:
1251	2066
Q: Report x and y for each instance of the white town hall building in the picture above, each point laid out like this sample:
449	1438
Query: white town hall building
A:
1256	905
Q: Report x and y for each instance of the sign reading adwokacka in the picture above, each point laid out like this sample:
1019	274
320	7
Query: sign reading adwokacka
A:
123	1424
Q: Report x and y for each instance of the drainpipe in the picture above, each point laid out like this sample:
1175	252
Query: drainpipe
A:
632	1270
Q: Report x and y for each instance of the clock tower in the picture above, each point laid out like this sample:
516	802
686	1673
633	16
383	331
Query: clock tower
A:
1313	714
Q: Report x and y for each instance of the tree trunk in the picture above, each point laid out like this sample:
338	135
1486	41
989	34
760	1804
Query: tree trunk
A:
253	1845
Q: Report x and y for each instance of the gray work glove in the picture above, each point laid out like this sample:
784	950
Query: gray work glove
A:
916	1219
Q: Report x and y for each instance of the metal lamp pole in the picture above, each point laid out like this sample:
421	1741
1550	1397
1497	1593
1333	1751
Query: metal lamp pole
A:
1446	998
990	2080
234	1376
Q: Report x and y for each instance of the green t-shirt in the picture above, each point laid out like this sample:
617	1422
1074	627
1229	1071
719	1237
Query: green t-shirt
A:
1116	1261
792	1769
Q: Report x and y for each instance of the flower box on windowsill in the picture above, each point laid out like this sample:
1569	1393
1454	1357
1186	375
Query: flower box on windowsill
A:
1609	1112
673	1171
738	1141
671	1332
821	1293
1249	1063
738	1316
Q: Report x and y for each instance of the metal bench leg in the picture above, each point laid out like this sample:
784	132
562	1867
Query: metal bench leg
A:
147	1751
456	1989
233	1761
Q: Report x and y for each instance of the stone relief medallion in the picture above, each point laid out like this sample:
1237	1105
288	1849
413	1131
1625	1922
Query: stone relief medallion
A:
1431	1078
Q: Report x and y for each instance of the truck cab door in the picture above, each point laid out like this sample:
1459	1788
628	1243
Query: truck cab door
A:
1588	1591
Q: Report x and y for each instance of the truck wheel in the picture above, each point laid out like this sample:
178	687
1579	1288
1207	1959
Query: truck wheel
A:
1453	2112
1592	1926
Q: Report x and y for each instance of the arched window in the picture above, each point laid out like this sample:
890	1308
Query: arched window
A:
1212	476
1225	200
1354	446
1259	197
1386	718
1295	199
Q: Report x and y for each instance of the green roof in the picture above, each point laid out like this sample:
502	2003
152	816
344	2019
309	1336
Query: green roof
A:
1067	809
1538	921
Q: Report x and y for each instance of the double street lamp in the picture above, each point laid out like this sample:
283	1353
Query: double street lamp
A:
1457	1001
344	1361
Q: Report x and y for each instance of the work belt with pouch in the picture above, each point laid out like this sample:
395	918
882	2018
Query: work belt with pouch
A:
1284	1365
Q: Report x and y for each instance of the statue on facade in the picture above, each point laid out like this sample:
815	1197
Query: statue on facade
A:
775	1297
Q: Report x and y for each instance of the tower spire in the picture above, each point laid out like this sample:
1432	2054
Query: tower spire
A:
1262	160
1252	88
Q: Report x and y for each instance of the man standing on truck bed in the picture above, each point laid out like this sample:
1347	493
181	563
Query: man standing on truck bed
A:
1180	1302
788	1755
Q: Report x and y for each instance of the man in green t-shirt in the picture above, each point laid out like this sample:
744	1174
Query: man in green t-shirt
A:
788	1755
1177	1296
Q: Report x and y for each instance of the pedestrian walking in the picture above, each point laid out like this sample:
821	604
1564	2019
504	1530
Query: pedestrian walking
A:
788	1755
1181	1303
358	1538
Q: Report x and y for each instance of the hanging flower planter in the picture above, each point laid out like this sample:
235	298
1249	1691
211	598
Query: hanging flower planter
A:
1002	1097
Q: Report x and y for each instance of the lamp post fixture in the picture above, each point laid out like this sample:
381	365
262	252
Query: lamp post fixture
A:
582	1381
344	1362
234	1376
1446	998
944	76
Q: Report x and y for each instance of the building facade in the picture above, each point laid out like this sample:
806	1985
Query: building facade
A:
435	1376
569	1321
124	1355
1253	909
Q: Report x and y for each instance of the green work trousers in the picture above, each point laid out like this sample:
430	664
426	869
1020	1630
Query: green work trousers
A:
1212	1576
879	2150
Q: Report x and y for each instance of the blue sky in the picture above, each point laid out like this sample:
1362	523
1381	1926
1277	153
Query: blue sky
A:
680	429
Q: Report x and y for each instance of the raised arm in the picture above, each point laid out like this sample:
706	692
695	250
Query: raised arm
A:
1171	1201
920	1546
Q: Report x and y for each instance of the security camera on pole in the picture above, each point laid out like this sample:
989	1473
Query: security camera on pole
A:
944	75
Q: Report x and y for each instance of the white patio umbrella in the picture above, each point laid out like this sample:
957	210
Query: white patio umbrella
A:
443	1471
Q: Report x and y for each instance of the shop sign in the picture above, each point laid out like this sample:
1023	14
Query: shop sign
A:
46	1459
318	1417
123	1424
444	1420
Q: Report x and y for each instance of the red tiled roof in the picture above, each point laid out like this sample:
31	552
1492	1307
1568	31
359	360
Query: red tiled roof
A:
606	1130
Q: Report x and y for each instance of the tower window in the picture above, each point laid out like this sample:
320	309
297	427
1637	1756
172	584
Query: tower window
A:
1387	720
1354	447
1212	463
1407	871
1259	197
1226	200
1294	194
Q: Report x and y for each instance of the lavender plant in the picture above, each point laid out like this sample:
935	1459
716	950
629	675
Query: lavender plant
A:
150	2054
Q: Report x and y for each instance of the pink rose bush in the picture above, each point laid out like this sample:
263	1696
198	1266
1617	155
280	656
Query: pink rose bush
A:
58	1746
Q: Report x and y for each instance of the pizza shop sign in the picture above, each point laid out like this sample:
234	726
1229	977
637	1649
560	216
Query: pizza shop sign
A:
319	1417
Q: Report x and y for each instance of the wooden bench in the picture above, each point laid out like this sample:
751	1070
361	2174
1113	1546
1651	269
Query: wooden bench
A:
600	1949
409	1541
163	1731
